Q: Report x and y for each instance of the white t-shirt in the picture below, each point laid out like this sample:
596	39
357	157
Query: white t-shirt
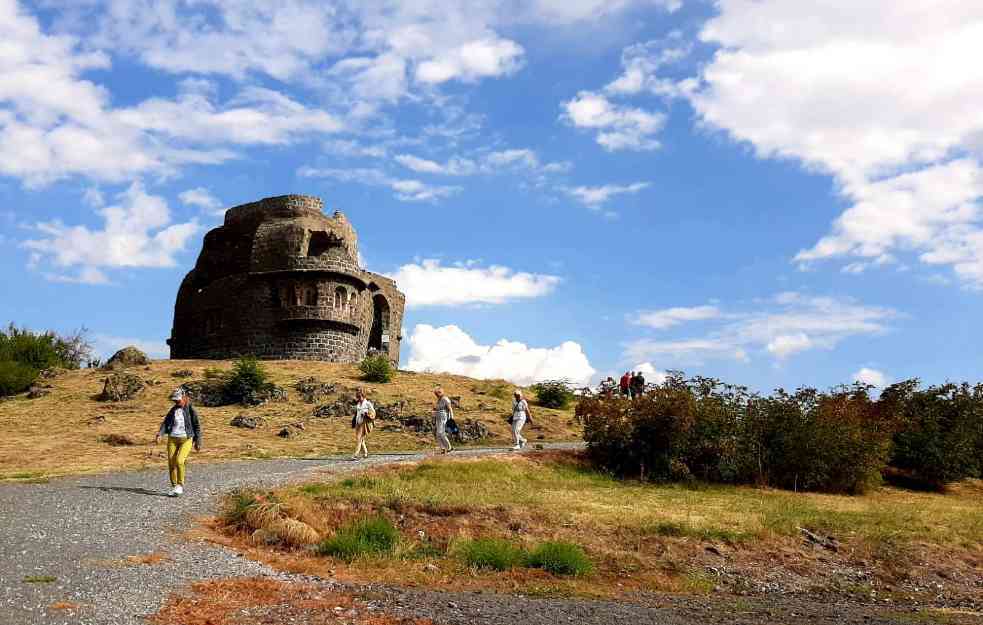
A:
520	409
362	409
179	430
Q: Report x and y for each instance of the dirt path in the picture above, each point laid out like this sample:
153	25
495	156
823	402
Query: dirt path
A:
88	533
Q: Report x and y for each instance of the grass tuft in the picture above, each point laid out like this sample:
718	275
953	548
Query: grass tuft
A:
40	579
561	558
371	536
491	553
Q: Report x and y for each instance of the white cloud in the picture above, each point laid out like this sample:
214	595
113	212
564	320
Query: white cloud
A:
202	198
137	233
449	349
872	377
594	197
792	323
853	89
652	375
471	61
454	167
641	63
429	283
407	190
514	159
618	127
105	345
668	317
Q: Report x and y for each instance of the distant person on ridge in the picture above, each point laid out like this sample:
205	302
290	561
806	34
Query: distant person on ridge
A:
608	387
626	385
637	384
520	413
443	411
362	422
183	429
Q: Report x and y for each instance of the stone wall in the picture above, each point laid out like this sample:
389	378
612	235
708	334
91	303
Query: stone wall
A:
281	280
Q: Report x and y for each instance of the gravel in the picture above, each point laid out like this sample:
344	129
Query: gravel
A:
81	530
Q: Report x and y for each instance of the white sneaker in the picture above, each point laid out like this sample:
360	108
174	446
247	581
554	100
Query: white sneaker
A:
179	490
516	447
174	492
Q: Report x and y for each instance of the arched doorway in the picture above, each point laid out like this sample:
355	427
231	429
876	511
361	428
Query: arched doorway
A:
379	336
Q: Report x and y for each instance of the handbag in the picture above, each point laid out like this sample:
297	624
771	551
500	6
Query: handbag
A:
451	426
354	422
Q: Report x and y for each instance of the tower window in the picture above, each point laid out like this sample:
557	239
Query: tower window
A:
320	242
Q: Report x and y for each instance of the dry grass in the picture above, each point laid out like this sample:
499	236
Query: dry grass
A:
65	606
640	536
62	431
256	601
148	558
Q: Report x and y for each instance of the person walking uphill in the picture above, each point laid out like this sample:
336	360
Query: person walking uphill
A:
443	411
625	385
362	422
520	413
183	430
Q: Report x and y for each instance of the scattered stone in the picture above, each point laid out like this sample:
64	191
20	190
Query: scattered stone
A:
121	387
470	430
431	568
183	373
825	542
289	431
390	412
49	374
38	391
420	425
714	550
340	408
313	390
391	428
246	421
117	440
97	420
126	357
206	393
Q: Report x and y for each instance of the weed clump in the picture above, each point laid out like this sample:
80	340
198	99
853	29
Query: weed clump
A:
560	558
371	536
376	368
553	393
491	553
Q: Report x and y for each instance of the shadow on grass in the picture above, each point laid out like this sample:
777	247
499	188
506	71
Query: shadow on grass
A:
127	489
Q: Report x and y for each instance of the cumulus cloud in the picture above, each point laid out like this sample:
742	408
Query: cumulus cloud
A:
669	317
429	283
594	197
871	376
618	127
137	233
448	349
407	190
202	198
641	63
652	375
791	323
848	88
454	167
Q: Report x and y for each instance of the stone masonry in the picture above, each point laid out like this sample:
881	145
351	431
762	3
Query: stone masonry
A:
281	280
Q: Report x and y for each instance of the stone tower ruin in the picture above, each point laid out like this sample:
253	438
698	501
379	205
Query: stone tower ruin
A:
281	280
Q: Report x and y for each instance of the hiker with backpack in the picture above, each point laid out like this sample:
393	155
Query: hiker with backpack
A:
362	422
183	431
520	414
443	412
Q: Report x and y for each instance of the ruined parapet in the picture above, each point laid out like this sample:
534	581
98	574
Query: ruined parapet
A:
280	279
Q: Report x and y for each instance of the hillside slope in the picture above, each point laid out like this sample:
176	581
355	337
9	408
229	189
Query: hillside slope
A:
63	432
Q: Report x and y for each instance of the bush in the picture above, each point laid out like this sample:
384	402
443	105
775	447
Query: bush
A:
940	435
372	536
247	379
553	393
560	558
376	368
15	377
491	553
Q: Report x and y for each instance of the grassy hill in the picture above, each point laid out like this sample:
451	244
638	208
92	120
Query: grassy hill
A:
64	431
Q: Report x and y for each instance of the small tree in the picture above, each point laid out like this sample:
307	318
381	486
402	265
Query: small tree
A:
247	379
553	393
376	368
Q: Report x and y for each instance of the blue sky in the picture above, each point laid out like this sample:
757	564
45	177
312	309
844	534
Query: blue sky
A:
764	191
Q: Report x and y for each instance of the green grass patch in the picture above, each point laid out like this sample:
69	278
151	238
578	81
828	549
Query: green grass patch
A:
40	579
560	558
491	553
365	537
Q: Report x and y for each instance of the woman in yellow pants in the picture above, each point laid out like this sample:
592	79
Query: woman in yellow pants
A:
183	431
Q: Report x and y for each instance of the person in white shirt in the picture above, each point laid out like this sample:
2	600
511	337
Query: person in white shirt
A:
183	430
520	413
362	422
443	411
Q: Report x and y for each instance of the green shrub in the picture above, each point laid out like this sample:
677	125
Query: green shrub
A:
15	377
553	393
491	553
247	379
372	536
560	558
940	435
376	368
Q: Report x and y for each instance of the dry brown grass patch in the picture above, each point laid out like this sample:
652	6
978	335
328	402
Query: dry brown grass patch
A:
65	606
148	558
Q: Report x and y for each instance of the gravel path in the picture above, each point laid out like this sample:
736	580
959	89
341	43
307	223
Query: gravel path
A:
81	531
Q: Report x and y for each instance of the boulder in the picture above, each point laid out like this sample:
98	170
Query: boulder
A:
206	393
390	412
245	421
313	390
339	408
126	357
121	387
471	430
421	425
38	391
290	431
183	373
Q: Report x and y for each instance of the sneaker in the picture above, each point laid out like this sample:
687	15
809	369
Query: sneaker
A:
522	444
516	447
179	490
174	492
355	457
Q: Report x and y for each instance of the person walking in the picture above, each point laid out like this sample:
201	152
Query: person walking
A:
182	428
626	385
520	413
637	384
443	411
362	422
